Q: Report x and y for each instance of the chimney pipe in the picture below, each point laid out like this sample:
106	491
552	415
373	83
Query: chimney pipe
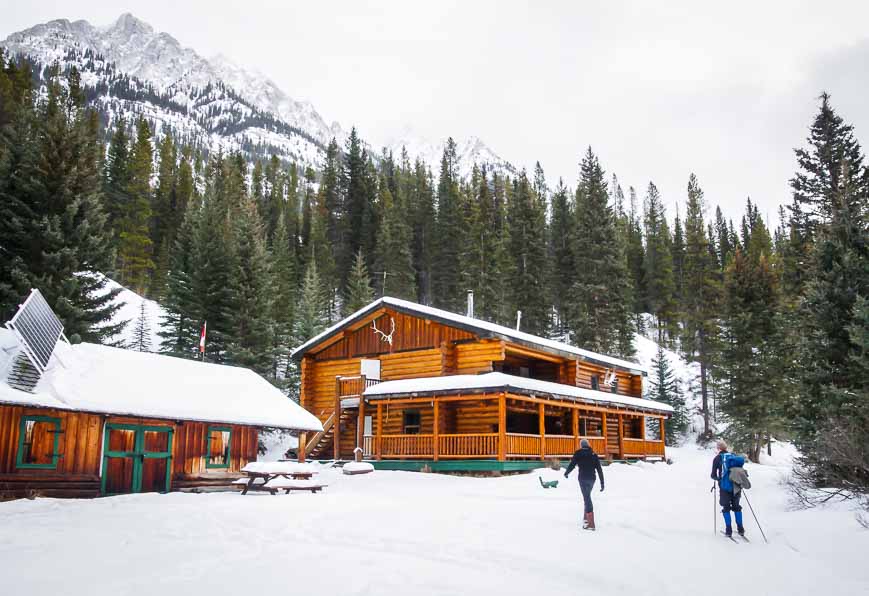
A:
471	303
518	319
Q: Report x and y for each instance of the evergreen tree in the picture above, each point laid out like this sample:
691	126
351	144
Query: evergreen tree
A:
664	386
358	293
600	317
527	246
449	237
252	291
393	254
55	237
117	176
677	249
635	256
165	220
179	327
701	295
421	205
135	249
312	316
285	282
561	255
142	330
658	265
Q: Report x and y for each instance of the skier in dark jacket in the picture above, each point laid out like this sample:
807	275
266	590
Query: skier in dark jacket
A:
588	463
728	495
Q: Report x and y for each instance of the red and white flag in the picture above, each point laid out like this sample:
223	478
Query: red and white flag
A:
202	338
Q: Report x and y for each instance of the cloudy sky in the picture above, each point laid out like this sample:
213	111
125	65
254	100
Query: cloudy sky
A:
657	89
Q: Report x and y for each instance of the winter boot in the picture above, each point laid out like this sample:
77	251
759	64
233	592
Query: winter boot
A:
739	527
728	527
585	521
590	525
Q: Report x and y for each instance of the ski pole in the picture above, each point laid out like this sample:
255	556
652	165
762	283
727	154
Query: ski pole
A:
755	517
714	513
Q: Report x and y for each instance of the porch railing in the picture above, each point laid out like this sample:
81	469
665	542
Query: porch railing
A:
522	445
560	445
473	445
485	445
406	446
354	386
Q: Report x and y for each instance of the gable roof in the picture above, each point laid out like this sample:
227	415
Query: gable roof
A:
495	381
105	380
482	328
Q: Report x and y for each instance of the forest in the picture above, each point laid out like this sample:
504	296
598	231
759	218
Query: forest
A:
270	253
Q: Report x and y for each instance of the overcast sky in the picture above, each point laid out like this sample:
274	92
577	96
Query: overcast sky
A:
658	89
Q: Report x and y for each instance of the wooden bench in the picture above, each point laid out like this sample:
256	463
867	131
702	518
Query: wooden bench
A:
274	476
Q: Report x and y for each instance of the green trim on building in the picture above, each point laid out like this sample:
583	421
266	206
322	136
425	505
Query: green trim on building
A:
227	451
22	433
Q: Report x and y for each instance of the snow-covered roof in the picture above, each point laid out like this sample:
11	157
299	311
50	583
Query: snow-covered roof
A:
100	379
483	328
496	381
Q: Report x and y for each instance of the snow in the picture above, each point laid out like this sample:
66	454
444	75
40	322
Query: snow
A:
280	467
129	313
501	381
484	326
357	467
94	378
425	534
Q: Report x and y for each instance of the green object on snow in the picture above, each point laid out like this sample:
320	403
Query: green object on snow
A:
548	483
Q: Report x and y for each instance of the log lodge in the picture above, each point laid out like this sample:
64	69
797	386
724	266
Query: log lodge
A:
413	386
99	420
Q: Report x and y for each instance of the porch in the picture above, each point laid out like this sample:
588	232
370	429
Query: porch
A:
503	427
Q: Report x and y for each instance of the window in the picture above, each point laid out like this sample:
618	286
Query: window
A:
411	422
595	382
219	438
38	438
615	386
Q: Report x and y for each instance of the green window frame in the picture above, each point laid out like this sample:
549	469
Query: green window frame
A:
22	444
226	449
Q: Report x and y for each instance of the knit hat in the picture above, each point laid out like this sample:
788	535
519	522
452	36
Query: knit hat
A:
585	443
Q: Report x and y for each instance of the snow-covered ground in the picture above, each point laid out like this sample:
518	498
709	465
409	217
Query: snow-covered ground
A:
408	533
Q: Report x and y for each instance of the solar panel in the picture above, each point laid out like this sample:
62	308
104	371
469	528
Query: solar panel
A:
37	328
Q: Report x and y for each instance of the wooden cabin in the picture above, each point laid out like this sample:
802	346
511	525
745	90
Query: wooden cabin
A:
102	421
412	386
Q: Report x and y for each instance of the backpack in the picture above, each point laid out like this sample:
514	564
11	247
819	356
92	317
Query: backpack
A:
729	460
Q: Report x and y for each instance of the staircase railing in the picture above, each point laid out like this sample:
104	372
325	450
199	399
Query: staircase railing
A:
315	440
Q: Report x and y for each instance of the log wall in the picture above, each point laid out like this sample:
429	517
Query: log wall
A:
80	450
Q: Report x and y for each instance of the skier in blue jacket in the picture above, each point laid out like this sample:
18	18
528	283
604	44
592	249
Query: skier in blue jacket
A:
728	494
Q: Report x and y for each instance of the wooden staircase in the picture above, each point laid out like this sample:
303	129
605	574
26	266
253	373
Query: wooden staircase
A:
320	445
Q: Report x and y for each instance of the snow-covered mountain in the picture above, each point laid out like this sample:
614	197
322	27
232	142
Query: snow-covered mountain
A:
130	69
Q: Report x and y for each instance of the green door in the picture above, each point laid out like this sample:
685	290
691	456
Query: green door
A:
136	459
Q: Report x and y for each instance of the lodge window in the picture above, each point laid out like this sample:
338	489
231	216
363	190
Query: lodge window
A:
219	439
595	382
38	439
411	422
615	386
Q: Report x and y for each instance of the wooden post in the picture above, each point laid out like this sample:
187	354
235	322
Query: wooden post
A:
621	438
435	430
606	441
575	426
360	426
336	424
502	427
662	431
643	432
541	418
303	445
377	439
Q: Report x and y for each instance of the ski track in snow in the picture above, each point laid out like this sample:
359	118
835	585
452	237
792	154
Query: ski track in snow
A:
410	533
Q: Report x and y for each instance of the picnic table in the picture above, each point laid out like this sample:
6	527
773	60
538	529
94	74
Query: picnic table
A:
280	475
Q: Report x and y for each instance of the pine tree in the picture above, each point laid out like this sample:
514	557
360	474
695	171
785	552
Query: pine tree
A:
135	249
527	246
56	205
358	293
117	176
311	313
600	317
251	317
142	330
664	386
421	205
166	217
635	256
561	255
658	265
449	237
284	269
393	258
179	327
701	295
